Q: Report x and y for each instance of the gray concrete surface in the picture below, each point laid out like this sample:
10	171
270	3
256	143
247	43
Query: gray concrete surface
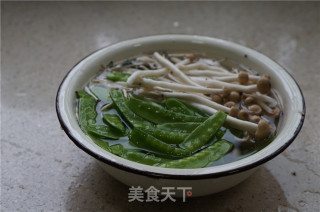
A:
42	170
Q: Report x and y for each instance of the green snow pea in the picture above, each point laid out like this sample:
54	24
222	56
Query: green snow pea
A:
101	143
235	132
114	121
86	109
125	112
135	155
167	136
202	158
87	117
155	113
196	110
177	106
204	132
141	139
185	127
118	76
104	132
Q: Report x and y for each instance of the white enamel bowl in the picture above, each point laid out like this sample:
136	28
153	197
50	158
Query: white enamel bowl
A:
205	180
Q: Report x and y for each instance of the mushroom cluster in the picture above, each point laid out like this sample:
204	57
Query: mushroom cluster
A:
205	83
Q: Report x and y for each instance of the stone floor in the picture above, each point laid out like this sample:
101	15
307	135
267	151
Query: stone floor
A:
42	170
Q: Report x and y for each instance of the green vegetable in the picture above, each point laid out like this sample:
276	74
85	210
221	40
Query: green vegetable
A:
167	136
86	109
185	127
101	93
87	117
129	116
118	76
236	132
177	106
202	158
114	121
204	132
155	113
104	132
135	155
101	143
141	139
194	109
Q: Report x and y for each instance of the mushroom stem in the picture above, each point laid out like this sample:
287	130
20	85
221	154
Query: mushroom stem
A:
254	79
175	70
148	73
232	122
195	98
202	66
229	86
183	62
179	87
209	73
264	106
173	78
87	89
263	97
145	59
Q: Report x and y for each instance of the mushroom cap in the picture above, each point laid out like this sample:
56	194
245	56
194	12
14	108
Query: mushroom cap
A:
234	96
217	98
226	92
249	101
276	112
234	111
243	78
263	85
255	119
256	109
230	104
266	76
263	130
243	114
191	56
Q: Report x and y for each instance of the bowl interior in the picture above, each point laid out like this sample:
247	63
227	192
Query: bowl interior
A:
81	73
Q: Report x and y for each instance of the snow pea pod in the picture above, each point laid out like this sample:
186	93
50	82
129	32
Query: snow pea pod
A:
104	131
202	158
100	142
141	139
236	132
135	155
86	109
114	121
167	136
185	127
204	132
87	117
196	110
177	106
125	112
155	113
118	76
